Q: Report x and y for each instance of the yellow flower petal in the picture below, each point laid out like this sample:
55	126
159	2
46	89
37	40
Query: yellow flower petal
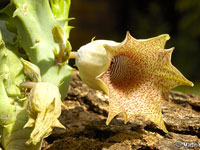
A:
139	77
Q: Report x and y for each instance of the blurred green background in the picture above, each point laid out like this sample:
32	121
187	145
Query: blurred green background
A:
110	19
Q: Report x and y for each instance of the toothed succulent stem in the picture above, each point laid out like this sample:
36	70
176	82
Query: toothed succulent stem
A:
43	33
7	111
40	28
8	86
13	115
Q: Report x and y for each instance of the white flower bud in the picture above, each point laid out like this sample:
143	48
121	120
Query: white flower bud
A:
92	61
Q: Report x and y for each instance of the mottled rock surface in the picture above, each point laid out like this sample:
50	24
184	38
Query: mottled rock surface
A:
86	130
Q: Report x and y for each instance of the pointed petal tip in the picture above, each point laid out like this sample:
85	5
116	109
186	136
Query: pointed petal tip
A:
28	142
128	33
128	36
101	85
188	83
191	84
106	46
110	117
162	126
58	125
165	130
27	126
171	49
165	36
125	121
107	122
30	123
125	118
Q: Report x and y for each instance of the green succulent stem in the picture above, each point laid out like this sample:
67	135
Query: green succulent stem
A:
9	80
40	29
7	111
13	114
35	21
15	136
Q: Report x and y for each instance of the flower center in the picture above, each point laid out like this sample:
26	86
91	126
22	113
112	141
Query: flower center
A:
126	72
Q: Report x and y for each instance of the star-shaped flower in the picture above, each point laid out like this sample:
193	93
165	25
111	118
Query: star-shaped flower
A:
139	77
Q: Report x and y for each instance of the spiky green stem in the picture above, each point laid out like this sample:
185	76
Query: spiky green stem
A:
35	21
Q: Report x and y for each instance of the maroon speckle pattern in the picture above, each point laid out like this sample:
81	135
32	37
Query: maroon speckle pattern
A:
139	77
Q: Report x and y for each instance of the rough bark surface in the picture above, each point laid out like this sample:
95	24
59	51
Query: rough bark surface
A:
86	129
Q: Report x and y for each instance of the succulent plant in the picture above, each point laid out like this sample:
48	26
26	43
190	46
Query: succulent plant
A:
13	115
37	31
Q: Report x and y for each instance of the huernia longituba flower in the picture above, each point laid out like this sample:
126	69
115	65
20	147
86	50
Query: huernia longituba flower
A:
44	108
138	77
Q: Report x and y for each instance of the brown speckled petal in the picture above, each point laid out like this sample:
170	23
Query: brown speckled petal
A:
139	77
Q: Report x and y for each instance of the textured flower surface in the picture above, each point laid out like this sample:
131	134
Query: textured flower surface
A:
44	108
139	77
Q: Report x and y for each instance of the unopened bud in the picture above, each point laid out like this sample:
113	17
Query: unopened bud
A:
92	61
31	70
58	34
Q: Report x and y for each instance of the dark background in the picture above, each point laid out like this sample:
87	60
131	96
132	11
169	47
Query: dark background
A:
110	19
